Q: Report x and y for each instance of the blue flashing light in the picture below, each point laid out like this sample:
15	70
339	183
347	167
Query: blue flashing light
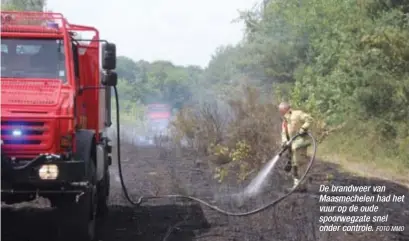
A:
52	25
17	133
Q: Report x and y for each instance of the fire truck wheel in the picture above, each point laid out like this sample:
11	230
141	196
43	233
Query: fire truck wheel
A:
103	194
80	218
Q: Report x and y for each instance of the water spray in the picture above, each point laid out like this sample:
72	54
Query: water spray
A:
252	189
257	184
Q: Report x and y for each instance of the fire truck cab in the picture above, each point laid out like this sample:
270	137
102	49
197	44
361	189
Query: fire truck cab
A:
55	111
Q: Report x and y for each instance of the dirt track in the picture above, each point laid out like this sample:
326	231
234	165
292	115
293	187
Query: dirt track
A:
150	171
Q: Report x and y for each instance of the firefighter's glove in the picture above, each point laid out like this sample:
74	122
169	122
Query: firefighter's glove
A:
302	131
285	145
288	166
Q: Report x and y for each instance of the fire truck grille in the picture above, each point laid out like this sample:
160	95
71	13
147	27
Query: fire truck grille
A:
23	132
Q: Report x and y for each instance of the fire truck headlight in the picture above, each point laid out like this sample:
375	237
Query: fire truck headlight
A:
17	133
48	172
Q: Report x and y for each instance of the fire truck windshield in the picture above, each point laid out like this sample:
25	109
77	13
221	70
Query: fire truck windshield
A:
33	58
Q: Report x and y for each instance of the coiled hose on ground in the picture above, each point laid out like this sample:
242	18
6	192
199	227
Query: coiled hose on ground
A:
142	198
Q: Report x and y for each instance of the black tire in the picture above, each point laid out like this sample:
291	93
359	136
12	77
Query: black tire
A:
103	194
79	218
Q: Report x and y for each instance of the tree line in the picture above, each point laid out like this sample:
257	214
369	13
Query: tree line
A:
23	5
345	61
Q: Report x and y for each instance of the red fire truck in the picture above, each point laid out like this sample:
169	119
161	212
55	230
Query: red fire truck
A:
158	111
159	117
55	111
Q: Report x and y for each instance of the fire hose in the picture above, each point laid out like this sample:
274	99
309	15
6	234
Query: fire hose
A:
214	207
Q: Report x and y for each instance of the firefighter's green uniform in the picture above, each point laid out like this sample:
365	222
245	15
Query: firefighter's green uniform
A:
296	121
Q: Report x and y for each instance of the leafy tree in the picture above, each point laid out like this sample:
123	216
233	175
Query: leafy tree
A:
159	81
127	68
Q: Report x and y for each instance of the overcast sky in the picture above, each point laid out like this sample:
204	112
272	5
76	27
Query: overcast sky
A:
182	31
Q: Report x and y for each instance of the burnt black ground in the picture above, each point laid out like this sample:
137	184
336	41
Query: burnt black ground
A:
154	171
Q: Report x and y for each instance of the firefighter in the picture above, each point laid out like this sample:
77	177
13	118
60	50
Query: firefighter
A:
295	122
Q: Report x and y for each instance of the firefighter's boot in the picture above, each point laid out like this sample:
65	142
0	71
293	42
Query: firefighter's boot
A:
297	184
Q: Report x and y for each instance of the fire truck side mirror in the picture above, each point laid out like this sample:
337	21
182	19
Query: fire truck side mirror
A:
110	78
108	56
